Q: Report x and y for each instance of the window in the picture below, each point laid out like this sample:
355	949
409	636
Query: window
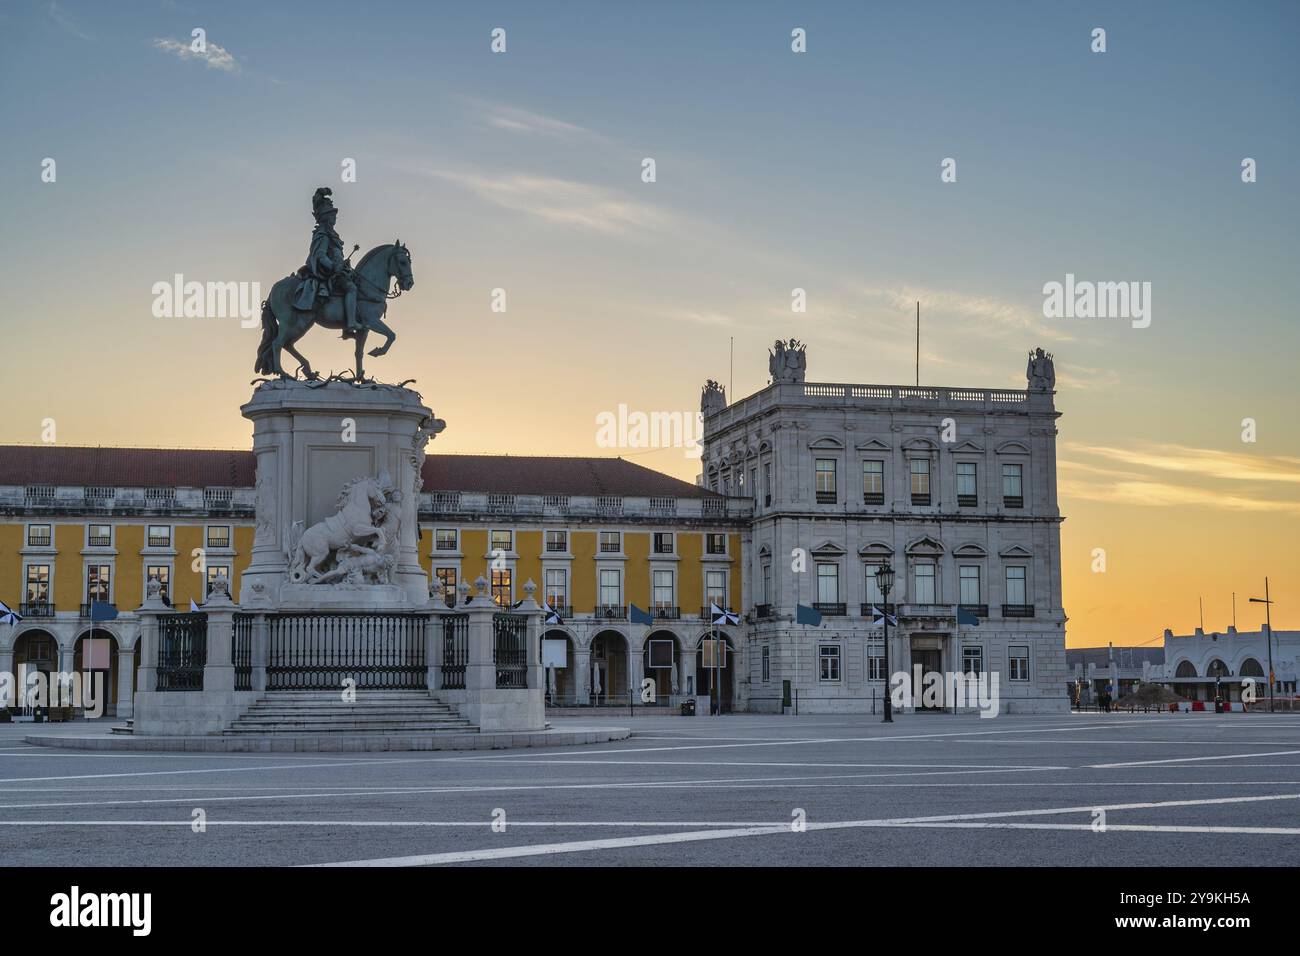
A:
920	468
873	586
445	539
969	577
218	537
503	541
38	536
163	573
825	475
38	584
663	542
445	586
967	496
557	587
715	588
611	587
98	581
502	593
828	584
219	569
557	541
160	536
828	656
100	536
972	660
663	589
1018	655
753	484
767	664
875	666
873	482
1012	487
1016	585
767	584
923	591
611	542
715	544
767	483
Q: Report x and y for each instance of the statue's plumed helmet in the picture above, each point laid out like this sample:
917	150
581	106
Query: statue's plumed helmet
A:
321	204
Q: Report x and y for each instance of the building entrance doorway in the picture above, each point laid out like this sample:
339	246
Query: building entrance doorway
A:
929	661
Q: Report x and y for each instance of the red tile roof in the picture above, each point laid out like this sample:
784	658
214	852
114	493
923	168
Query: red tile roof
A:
200	468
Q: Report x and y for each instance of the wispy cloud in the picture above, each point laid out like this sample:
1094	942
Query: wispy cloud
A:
993	314
1205	462
563	201
212	56
522	121
66	20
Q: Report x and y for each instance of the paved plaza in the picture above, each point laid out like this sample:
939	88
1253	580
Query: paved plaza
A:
1178	790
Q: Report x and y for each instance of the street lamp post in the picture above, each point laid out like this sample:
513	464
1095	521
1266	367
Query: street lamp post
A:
1268	619
885	581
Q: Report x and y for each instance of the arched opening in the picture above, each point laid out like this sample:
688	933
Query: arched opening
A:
561	681
1216	669
662	656
608	678
34	652
1251	668
92	658
1185	669
708	675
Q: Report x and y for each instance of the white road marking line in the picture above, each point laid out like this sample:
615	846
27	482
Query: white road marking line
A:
498	853
1131	827
1150	763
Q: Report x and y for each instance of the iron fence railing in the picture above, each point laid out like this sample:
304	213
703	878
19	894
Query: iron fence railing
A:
510	650
455	650
241	651
182	651
319	651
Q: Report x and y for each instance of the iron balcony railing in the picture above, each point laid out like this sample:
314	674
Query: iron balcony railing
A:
36	609
865	609
979	610
828	609
665	612
1017	610
1013	501
611	612
873	497
967	501
85	608
762	610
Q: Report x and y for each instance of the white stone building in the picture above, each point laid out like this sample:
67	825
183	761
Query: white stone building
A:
954	487
1199	665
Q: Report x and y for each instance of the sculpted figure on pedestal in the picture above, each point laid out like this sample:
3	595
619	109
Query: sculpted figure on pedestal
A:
355	545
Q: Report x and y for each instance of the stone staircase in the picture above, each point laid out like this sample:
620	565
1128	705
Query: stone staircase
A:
388	712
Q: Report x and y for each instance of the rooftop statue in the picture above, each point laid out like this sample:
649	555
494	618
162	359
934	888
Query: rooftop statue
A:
787	361
329	291
1040	373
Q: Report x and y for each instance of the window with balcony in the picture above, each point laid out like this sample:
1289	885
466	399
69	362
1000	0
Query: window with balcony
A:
502	541
715	543
557	588
872	589
36	593
611	542
923	590
873	482
968	577
39	536
825	481
967	485
445	586
163	574
502	589
828	656
445	539
663	542
218	537
100	536
715	588
611	588
1013	495
1016	591
160	536
828	589
663	591
920	473
98	582
557	542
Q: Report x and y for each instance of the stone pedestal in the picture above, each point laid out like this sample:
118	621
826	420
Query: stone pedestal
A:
310	442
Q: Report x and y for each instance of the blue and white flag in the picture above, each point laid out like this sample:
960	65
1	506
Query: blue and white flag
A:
720	616
878	615
803	614
9	616
552	615
638	616
194	608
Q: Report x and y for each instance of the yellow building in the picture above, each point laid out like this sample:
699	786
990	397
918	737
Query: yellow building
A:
608	544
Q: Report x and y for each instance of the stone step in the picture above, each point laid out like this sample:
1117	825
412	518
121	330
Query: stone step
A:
337	729
323	708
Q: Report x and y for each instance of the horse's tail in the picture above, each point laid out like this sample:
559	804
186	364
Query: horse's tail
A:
270	329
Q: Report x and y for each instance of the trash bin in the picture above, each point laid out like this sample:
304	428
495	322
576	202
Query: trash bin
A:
688	707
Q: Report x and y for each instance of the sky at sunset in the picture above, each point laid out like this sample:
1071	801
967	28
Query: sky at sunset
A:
522	171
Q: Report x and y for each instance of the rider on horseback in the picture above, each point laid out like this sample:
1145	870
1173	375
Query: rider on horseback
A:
327	269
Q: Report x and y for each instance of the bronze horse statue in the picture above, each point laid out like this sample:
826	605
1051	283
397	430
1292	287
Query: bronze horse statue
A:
283	325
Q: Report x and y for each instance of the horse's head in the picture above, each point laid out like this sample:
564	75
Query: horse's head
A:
399	266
